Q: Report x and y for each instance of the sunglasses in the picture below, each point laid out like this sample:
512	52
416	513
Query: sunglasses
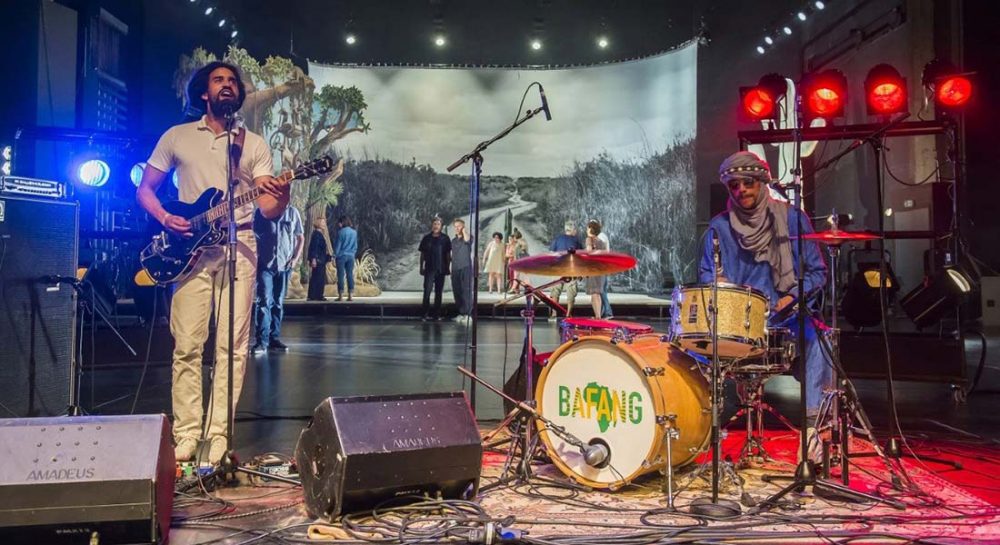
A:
746	182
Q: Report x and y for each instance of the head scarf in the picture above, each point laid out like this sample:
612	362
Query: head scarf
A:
763	229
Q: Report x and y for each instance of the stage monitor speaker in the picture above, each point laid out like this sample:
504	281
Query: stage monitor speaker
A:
38	239
87	479
359	452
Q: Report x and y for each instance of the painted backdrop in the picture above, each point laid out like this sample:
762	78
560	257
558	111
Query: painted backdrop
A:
620	148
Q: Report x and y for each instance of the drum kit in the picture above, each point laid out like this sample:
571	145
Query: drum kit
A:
616	401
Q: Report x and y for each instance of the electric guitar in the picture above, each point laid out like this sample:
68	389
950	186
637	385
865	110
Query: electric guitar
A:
169	258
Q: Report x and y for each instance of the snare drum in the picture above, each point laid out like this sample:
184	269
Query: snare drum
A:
623	396
776	359
742	320
575	328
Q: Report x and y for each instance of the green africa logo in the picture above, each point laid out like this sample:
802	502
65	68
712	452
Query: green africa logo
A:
602	404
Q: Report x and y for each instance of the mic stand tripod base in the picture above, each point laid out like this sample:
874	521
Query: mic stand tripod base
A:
805	475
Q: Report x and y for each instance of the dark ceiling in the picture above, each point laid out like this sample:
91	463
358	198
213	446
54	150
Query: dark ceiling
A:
478	31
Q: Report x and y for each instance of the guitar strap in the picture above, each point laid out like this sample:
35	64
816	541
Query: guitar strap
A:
236	153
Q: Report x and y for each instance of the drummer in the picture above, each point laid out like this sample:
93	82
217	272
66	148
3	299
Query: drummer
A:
755	235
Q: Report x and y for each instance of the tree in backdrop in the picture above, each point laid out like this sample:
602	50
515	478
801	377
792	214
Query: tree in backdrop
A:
300	124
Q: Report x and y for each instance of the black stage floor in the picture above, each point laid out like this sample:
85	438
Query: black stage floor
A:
357	356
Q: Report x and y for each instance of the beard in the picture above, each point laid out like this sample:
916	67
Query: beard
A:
221	105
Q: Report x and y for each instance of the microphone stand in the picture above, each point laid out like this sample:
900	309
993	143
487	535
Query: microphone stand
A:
228	459
712	506
805	474
477	170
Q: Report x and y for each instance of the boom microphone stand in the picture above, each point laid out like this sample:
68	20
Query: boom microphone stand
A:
805	474
477	170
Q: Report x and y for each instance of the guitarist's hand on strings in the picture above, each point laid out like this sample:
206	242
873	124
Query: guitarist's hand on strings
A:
177	225
274	187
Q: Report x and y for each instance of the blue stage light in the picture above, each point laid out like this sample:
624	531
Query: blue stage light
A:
136	173
94	173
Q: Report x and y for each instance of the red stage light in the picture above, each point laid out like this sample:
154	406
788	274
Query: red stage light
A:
953	92
826	95
760	101
885	91
757	103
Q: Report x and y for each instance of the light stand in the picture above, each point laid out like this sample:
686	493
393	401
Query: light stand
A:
805	474
477	160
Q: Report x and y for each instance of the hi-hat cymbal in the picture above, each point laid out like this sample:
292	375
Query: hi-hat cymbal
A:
837	237
578	263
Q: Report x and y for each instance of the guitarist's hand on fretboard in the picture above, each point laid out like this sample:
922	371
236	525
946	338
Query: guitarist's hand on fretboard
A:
177	225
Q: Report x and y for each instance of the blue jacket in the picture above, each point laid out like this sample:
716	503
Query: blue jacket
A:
740	268
346	244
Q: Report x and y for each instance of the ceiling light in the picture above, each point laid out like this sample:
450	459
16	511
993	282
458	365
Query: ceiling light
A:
768	40
233	35
439	40
787	31
760	49
819	4
602	42
350	39
801	16
536	44
222	23
209	10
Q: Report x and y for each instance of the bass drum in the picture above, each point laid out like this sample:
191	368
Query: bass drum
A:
622	395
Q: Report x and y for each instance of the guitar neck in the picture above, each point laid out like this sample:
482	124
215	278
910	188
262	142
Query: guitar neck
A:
220	211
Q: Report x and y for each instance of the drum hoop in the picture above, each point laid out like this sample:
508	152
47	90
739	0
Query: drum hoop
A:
754	342
657	397
723	286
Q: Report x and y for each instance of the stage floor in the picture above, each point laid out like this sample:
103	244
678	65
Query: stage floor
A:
358	356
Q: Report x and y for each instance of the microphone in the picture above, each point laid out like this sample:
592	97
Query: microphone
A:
780	188
716	254
545	103
595	455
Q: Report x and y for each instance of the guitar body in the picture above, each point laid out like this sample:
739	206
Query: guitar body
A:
170	258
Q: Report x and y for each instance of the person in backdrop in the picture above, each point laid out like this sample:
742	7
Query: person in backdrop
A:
320	252
197	152
345	251
606	312
568	241
595	284
516	249
461	269
755	234
493	258
279	247
435	264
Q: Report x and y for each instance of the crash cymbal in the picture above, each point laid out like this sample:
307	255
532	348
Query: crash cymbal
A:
836	236
578	263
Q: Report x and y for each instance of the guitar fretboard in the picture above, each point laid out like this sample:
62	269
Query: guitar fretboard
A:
220	211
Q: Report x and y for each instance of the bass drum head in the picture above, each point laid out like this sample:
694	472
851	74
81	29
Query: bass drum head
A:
599	392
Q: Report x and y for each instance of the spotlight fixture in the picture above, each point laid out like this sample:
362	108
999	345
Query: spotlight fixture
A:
440	41
209	10
136	173
94	173
602	42
952	90
787	30
825	94
885	91
759	102
350	39
819	4
7	161
860	304
768	40
536	44
926	304
801	16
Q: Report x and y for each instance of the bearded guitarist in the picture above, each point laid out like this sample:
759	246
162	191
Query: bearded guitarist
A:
197	151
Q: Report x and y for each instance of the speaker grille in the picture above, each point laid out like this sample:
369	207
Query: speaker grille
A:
38	238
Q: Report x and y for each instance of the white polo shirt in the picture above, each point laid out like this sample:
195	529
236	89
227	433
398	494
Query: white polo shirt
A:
199	155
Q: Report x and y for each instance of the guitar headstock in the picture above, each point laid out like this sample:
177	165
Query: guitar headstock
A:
314	168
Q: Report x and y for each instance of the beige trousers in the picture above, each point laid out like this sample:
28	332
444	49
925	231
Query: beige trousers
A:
191	315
